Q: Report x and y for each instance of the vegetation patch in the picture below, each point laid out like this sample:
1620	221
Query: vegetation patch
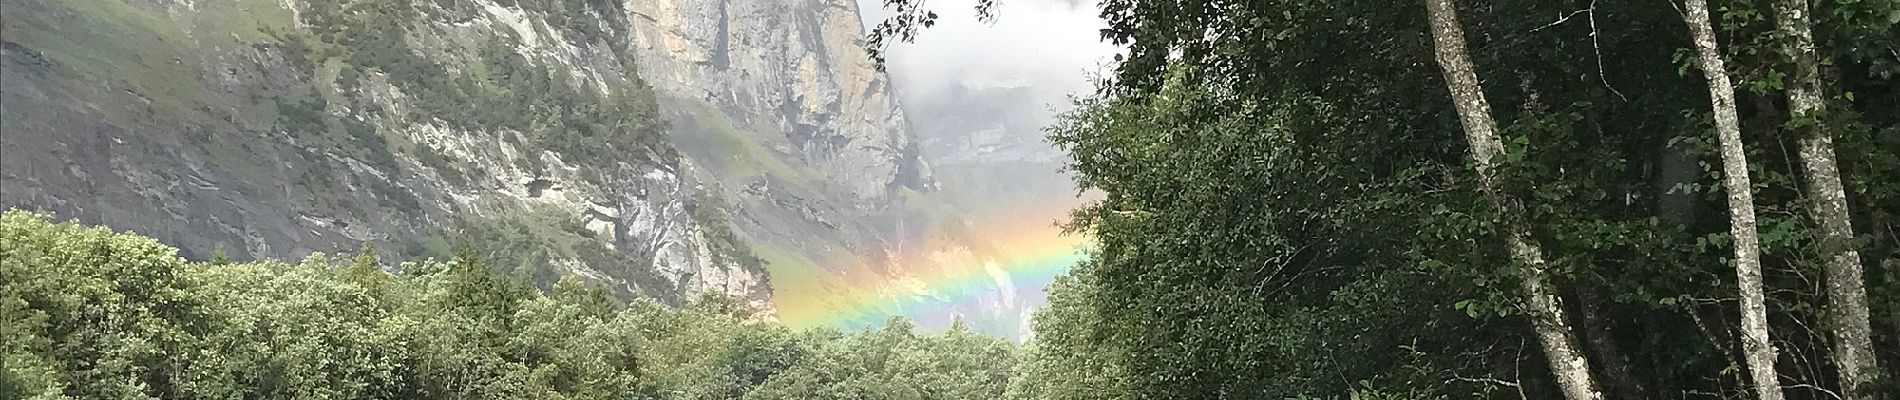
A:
90	313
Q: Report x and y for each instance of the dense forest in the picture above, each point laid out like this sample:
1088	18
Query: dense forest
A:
93	314
1302	199
1571	199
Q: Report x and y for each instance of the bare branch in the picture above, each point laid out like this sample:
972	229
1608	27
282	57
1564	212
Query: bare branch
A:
1561	19
1597	46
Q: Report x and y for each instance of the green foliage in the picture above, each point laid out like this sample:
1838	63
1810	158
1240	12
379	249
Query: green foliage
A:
94	314
1072	357
895	363
296	331
366	271
1287	203
1244	250
535	245
708	210
218	256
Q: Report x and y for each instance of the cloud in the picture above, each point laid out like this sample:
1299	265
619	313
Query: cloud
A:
1051	47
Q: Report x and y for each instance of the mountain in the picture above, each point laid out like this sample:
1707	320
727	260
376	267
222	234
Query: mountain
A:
668	148
776	103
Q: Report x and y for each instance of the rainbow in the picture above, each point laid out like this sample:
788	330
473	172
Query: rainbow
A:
1002	261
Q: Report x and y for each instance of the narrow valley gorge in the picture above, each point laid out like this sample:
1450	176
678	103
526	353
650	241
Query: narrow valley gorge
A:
669	148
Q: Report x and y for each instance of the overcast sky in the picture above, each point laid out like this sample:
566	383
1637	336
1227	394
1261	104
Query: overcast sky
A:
1050	45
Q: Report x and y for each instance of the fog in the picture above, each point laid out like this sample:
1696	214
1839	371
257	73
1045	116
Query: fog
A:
977	96
1050	48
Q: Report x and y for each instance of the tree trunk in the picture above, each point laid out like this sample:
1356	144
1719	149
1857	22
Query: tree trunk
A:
1827	204
1757	351
1598	331
1541	302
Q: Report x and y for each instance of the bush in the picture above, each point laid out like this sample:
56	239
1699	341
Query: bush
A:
94	314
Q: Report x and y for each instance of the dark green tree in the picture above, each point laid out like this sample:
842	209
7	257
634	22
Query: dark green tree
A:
1262	160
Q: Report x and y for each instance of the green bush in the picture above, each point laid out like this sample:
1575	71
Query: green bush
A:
94	314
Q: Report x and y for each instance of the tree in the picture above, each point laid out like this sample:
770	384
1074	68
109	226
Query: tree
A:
477	288
296	331
89	313
1205	186
1062	361
890	362
218	257
907	18
1853	353
367	272
105	315
1758	351
1540	297
589	296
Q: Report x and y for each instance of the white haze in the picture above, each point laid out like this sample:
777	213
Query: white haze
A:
962	78
1052	47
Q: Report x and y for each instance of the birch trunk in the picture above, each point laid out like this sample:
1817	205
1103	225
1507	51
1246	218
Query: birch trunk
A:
1546	313
1757	351
1827	204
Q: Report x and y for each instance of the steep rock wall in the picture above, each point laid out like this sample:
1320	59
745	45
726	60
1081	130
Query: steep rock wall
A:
793	67
777	105
272	129
669	148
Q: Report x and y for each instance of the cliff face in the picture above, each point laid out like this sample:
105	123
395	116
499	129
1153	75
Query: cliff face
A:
776	104
794	68
276	128
668	148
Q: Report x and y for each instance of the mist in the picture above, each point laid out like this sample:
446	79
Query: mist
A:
1049	48
977	97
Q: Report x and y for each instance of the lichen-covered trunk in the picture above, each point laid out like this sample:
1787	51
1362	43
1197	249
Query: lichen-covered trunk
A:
1759	353
1541	302
1827	204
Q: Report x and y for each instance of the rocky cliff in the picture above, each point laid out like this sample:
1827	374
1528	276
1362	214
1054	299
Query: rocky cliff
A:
777	104
666	147
795	68
276	128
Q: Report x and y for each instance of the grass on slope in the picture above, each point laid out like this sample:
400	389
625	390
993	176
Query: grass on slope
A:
731	152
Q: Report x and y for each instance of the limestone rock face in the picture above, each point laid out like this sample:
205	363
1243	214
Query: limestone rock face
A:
796	67
781	112
669	148
274	128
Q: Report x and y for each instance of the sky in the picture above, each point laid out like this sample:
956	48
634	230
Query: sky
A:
1051	46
